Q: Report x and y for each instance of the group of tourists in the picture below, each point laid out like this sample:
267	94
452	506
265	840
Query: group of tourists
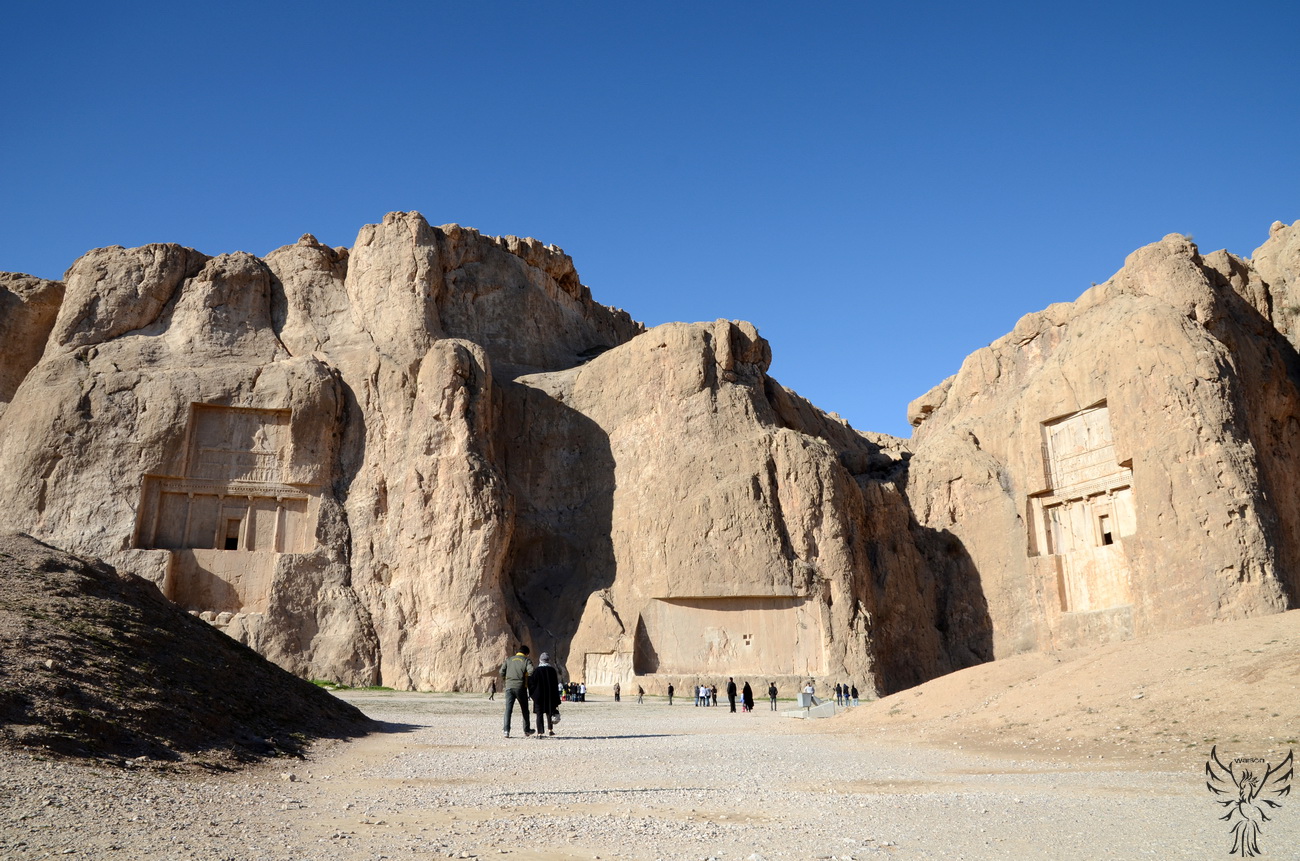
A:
540	687
707	695
846	695
540	684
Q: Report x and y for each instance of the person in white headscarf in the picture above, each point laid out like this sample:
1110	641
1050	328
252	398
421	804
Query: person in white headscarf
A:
544	688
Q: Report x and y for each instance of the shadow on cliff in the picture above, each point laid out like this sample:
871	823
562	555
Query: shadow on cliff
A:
934	622
1266	393
560	472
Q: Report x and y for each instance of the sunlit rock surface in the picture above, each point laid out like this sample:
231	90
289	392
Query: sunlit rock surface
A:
385	464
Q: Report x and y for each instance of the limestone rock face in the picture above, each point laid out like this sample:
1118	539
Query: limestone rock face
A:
722	525
385	464
417	320
1278	263
142	437
1124	463
116	290
28	308
302	450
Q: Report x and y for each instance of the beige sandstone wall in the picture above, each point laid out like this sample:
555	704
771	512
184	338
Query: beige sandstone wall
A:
1124	463
687	511
387	463
28	309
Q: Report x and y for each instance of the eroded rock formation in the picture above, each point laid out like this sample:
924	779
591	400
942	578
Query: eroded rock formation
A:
383	464
1126	463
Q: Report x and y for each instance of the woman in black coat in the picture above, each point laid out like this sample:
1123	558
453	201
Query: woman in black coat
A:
544	688
747	697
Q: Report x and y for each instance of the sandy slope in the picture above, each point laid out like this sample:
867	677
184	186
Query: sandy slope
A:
1167	697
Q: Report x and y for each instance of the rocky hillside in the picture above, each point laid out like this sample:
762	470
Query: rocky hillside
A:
96	663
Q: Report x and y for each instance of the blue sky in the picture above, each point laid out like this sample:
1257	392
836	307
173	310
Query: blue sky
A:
881	188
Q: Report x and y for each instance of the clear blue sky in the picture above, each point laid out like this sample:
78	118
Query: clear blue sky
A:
881	188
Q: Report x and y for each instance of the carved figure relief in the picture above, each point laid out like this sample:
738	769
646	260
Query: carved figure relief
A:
1086	510
776	635
229	515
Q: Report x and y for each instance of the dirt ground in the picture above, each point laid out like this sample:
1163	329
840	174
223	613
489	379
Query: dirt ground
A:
1037	756
1160	701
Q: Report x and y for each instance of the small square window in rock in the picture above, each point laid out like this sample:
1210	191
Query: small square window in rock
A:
232	533
1104	529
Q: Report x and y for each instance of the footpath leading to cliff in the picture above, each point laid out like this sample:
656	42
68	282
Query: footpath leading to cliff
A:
961	779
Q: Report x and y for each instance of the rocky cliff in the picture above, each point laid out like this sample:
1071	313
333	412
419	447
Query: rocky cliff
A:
1127	463
385	463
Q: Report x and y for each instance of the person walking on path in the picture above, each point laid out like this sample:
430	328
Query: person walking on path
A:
771	694
544	687
713	693
855	694
515	672
640	695
747	697
731	694
492	689
670	695
839	695
617	691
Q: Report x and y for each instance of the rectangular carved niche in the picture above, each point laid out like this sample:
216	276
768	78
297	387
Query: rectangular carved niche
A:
229	514
777	636
1087	510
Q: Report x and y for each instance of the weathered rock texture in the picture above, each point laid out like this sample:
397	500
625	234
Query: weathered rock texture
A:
732	527
28	307
1127	463
383	464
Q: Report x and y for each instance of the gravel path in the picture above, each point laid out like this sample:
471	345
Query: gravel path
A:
619	781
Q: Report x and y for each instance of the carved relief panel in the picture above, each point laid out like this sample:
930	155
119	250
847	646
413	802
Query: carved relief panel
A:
229	514
1085	512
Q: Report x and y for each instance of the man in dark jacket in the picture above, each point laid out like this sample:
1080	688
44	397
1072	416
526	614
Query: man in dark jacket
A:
731	693
515	672
544	687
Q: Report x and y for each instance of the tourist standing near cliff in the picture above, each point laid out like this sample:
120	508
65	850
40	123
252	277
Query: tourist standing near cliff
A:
515	672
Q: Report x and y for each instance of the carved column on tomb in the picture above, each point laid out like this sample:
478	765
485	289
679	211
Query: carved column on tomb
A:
1085	511
207	517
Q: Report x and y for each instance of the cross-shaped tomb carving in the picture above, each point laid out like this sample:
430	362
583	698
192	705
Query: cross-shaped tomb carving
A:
230	512
1085	511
